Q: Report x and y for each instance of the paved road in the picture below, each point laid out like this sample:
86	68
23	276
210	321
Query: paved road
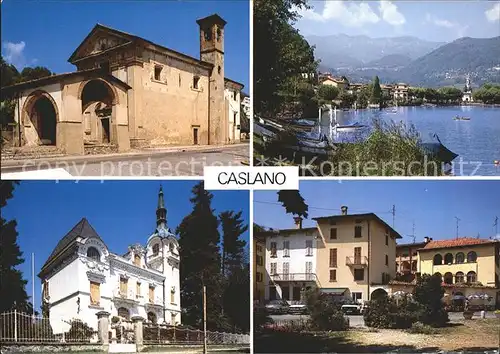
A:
172	163
357	321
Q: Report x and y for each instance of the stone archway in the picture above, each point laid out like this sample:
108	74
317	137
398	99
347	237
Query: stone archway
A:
99	100
39	118
378	293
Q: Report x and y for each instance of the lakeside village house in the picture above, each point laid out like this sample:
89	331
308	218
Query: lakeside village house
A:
130	92
399	92
82	277
356	256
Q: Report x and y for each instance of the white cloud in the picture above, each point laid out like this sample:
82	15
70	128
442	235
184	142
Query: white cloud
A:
390	13
349	14
493	14
459	28
14	54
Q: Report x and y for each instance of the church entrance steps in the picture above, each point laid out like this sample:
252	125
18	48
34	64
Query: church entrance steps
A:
100	149
61	160
30	152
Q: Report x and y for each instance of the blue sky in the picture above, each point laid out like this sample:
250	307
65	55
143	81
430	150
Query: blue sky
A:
43	32
122	213
432	205
430	20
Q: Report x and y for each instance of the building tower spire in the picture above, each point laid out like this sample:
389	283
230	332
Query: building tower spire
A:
161	212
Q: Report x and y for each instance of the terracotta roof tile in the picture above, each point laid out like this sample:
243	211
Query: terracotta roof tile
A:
458	242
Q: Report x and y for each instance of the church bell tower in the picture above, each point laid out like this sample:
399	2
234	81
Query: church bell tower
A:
212	51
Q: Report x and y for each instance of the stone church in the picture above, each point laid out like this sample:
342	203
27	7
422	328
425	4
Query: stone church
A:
130	92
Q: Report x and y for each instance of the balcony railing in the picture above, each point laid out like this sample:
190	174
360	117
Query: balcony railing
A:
294	277
356	261
154	302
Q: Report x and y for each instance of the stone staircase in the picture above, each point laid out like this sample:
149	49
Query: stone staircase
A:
30	152
99	149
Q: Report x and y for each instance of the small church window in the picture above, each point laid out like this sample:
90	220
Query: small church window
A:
94	254
235	95
196	81
171	247
219	69
219	34
158	70
156	249
179	80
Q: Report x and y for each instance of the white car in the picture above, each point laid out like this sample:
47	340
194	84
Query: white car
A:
351	309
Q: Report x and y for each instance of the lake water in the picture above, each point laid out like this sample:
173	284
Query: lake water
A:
477	142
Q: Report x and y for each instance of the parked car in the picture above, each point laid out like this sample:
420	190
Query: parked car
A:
351	309
297	308
277	307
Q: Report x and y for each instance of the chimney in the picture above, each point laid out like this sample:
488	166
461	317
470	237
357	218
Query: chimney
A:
298	222
343	208
426	239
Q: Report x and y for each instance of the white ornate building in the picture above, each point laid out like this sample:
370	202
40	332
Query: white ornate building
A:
82	277
467	96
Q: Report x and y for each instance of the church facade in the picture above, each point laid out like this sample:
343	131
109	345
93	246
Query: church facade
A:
82	277
128	91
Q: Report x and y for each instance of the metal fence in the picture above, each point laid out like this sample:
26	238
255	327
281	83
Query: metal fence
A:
165	334
18	327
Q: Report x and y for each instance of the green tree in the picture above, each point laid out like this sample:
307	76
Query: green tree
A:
328	92
428	293
488	94
293	202
281	56
237	299
325	316
346	99
13	294
376	91
10	75
201	262
35	73
363	97
233	247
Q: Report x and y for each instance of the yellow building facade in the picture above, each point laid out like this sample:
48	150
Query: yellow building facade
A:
355	254
259	269
466	265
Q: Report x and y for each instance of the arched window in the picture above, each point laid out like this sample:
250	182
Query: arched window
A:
471	257
438	259
459	258
171	247
124	313
156	249
93	253
448	258
471	277
152	317
459	277
448	278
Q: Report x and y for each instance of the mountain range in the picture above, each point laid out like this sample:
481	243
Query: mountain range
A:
409	59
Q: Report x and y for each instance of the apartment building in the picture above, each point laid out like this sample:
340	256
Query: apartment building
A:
259	268
356	254
466	265
407	264
290	262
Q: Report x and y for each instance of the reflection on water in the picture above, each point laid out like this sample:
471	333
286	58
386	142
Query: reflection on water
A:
476	141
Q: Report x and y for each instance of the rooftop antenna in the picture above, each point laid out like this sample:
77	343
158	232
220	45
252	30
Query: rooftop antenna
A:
458	220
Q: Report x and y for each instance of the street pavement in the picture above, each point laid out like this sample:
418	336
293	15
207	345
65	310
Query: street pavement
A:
169	163
357	320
